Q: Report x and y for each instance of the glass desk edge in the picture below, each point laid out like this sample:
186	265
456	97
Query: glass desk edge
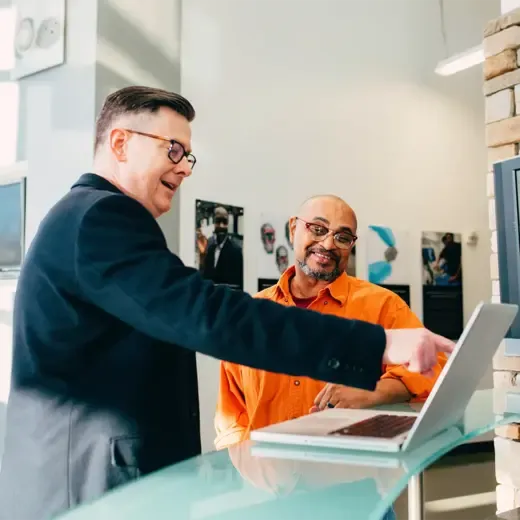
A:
104	506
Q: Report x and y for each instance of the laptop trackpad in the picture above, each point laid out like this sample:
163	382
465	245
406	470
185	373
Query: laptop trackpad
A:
379	426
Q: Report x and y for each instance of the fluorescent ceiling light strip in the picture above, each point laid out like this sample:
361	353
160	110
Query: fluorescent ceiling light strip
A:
462	61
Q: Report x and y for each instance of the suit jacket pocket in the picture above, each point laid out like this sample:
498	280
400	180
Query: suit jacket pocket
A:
124	457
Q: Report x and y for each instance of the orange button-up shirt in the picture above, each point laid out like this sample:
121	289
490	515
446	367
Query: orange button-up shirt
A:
250	399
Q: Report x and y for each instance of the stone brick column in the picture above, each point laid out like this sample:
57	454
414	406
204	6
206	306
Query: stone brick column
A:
502	91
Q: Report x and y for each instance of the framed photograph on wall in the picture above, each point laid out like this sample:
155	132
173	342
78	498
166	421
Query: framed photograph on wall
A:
389	260
442	277
274	249
219	243
388	256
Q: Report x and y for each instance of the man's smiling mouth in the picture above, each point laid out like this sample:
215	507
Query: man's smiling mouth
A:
170	186
322	257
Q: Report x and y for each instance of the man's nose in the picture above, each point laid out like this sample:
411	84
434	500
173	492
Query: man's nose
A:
328	243
184	168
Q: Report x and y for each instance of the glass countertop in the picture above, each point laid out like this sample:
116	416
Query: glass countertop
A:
258	481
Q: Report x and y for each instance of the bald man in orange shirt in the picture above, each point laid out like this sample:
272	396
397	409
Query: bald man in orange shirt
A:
323	235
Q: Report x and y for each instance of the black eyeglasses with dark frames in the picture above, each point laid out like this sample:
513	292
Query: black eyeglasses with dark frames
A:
342	239
176	151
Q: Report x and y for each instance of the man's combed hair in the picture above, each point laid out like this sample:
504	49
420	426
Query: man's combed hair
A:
135	100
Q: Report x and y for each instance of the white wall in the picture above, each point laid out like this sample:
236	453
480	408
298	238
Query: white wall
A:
509	5
139	44
9	90
298	98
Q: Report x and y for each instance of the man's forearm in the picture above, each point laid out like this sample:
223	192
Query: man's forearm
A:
229	438
392	391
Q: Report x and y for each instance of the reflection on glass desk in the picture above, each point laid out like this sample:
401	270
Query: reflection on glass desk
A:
268	481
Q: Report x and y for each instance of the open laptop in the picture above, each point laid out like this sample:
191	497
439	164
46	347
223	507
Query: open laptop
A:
375	430
391	460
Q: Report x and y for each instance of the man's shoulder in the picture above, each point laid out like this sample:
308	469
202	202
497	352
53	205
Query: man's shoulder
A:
89	198
391	309
82	199
66	215
235	243
268	294
366	289
97	214
109	210
369	287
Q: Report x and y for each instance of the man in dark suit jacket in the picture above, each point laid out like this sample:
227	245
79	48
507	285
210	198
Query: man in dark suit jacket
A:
107	322
222	262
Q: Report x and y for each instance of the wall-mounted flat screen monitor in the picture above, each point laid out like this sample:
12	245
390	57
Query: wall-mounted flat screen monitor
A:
507	209
12	224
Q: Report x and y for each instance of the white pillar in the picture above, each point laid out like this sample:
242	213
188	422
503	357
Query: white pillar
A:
110	44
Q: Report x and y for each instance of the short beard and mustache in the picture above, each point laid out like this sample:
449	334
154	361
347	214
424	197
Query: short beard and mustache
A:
321	276
221	236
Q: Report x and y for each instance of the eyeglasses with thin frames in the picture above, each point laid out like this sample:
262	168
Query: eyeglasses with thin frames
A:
342	239
176	151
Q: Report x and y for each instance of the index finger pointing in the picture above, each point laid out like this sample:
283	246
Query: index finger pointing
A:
443	344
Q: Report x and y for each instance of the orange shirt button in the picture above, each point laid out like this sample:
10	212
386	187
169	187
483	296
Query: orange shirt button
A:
297	383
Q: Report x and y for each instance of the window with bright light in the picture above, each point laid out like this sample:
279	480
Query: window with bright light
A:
9	98
9	91
8	122
7	28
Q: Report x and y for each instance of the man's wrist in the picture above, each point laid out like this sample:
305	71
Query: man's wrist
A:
390	391
381	396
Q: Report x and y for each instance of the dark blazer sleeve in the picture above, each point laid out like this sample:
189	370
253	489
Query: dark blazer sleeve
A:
123	266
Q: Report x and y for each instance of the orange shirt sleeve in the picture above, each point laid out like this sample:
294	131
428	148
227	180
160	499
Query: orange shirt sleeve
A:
231	417
231	420
400	316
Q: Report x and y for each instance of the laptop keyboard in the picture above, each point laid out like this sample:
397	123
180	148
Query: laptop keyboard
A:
379	426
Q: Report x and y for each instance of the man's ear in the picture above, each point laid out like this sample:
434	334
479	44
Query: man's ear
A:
118	140
292	228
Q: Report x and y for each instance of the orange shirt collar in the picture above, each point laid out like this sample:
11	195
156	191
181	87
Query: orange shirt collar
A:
338	289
